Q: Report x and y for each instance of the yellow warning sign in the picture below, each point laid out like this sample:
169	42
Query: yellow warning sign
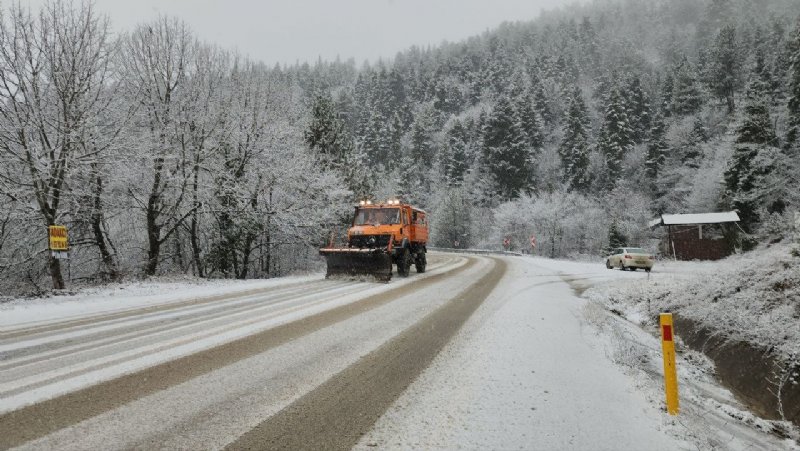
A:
58	238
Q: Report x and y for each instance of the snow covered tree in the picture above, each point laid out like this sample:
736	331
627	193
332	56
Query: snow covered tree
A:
325	134
590	54
686	96
793	133
456	161
506	151
53	67
542	105
667	91
452	224
574	148
725	74
615	139
615	237
656	151
747	169
423	148
528	121
638	110
691	152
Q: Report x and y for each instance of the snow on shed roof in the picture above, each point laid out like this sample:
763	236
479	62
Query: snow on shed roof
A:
696	218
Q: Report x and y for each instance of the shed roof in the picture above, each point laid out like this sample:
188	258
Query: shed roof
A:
696	218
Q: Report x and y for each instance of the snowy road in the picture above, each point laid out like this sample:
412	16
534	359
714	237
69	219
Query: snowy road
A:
478	353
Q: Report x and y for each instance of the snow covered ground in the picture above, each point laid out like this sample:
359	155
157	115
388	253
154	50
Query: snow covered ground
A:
24	312
753	297
537	366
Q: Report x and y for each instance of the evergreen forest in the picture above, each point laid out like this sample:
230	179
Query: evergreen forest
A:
166	155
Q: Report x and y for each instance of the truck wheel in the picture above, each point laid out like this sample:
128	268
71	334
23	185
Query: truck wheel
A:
403	263
421	262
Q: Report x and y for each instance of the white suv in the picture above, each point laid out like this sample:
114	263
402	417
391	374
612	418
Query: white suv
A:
630	258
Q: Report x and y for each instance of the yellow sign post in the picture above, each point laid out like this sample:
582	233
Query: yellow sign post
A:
670	371
58	238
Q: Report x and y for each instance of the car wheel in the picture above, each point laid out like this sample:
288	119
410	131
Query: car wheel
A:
647	270
632	268
621	266
608	264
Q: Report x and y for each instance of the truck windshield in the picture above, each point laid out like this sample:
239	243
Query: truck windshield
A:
377	216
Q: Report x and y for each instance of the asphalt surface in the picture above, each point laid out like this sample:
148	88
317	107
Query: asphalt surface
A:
338	413
329	359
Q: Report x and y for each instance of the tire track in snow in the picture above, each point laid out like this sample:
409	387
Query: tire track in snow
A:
336	414
40	419
54	370
57	345
43	330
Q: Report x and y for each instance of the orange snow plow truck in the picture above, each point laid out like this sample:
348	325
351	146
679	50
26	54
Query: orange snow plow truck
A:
381	235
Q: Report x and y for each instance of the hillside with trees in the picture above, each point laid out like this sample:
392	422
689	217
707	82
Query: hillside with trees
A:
166	155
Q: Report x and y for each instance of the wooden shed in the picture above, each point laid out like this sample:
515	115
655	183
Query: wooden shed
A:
698	236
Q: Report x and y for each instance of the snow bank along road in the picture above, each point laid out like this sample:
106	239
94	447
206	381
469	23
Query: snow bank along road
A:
330	364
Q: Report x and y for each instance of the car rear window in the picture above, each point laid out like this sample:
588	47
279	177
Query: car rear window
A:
636	250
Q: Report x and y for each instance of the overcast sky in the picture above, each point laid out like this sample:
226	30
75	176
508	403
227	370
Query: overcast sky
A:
287	31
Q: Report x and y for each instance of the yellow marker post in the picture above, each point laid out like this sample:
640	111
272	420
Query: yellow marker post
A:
670	371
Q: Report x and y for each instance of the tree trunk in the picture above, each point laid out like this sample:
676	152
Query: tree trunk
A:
731	103
247	250
152	214
100	236
153	239
196	251
55	273
193	238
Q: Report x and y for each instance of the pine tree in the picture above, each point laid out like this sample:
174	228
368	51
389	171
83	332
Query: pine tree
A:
757	126
325	132
588	46
506	153
656	151
615	137
423	148
638	108
616	238
745	173
574	148
528	121
793	133
725	73
691	153
765	77
373	139
543	106
456	162
686	97
666	95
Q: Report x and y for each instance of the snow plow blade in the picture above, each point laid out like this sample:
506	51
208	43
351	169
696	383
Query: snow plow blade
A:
358	262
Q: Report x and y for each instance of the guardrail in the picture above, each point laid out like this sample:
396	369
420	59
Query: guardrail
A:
475	251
